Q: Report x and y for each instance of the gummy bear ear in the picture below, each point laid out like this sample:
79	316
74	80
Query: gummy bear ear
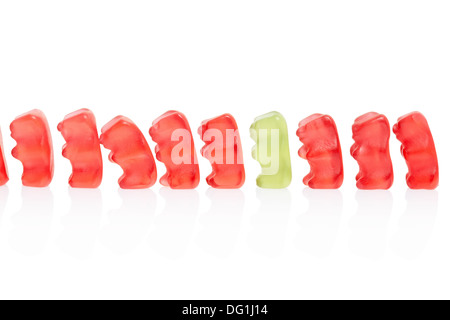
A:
175	148
322	149
4	178
79	129
34	148
131	152
414	133
224	151
270	133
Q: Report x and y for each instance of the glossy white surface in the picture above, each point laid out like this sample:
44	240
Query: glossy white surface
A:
205	58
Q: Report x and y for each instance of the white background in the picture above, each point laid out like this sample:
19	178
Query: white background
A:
205	58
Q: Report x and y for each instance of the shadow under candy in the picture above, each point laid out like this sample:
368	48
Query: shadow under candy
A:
369	226
319	225
32	223
128	225
269	225
175	225
416	225
221	223
81	224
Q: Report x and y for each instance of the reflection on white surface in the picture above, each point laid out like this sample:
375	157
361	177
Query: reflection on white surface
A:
128	225
269	224
4	192
221	223
174	226
369	226
319	225
82	223
416	224
32	223
169	225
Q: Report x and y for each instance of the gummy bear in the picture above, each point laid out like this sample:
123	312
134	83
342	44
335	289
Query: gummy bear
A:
224	150
34	148
322	149
371	133
419	151
130	150
3	167
175	148
82	148
270	133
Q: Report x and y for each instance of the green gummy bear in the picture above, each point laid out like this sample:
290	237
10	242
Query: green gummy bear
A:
272	150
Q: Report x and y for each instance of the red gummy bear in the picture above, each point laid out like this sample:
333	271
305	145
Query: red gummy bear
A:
418	149
224	150
175	148
371	133
3	167
79	129
34	148
131	152
322	149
